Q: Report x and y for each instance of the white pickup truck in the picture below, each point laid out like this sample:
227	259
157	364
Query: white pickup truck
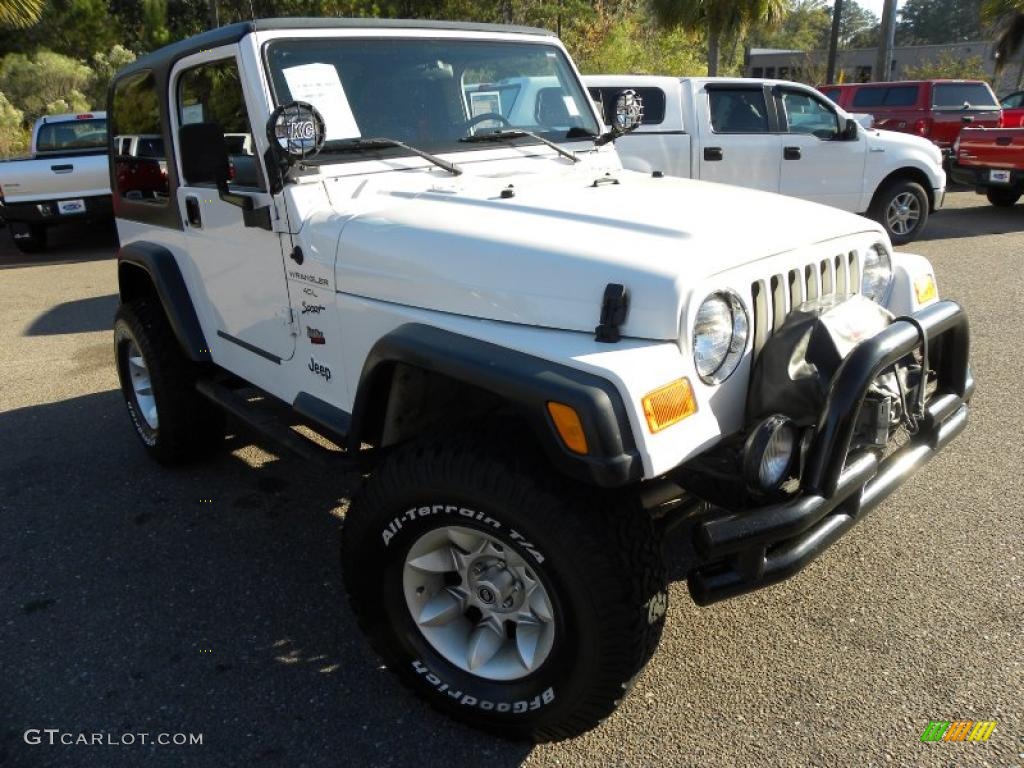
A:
779	136
67	178
428	254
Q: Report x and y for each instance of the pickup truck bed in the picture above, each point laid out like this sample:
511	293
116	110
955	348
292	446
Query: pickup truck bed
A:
992	161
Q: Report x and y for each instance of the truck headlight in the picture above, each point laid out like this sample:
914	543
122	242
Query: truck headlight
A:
876	273
719	336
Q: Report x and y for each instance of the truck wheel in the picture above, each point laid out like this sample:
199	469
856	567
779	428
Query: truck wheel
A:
29	238
902	208
1003	197
174	422
504	596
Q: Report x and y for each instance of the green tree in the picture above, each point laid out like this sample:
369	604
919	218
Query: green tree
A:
924	22
947	65
858	26
804	28
14	137
20	13
1006	19
104	67
45	83
720	20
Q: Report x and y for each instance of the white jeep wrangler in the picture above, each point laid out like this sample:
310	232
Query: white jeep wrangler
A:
424	248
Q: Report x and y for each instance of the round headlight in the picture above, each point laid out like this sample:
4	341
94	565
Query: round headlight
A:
876	273
719	336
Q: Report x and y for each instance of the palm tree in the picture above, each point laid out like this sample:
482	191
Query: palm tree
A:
20	13
718	19
1006	19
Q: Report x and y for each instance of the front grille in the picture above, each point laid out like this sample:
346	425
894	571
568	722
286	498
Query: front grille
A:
774	298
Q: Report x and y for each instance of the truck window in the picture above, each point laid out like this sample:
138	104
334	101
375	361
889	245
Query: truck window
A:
886	96
832	93
212	93
956	95
71	135
805	114
653	100
139	177
738	110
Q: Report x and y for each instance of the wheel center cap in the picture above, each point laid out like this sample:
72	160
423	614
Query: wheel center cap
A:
485	595
495	586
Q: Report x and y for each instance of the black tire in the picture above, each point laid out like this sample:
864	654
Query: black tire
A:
600	561
188	425
887	195
1003	197
29	238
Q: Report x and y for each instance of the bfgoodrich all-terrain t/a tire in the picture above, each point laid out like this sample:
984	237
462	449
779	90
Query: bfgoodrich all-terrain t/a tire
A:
506	597
175	423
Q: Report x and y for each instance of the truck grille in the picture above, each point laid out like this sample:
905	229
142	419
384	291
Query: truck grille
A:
773	299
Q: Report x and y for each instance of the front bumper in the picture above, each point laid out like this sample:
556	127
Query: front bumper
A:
744	551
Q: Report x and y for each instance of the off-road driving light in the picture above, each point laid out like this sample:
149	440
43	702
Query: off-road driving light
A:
876	273
669	404
768	453
567	422
719	336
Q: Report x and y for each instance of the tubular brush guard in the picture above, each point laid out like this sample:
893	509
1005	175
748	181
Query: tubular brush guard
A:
744	551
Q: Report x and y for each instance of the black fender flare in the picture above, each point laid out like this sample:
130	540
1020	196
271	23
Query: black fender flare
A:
162	270
524	381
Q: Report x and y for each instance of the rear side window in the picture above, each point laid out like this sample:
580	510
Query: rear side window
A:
962	95
891	96
141	164
738	110
71	135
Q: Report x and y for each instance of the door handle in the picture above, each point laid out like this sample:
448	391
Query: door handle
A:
62	168
193	212
712	154
791	153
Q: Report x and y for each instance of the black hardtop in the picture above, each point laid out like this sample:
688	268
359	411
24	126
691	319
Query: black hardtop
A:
164	58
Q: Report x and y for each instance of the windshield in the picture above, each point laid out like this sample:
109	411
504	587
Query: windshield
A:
72	134
430	93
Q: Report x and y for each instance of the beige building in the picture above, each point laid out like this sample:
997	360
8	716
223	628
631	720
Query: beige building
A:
858	64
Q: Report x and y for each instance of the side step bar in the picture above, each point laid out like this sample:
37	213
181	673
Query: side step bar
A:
267	422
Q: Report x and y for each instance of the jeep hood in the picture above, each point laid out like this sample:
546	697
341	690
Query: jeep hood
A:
543	254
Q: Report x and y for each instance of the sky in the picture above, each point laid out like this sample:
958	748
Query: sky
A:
875	6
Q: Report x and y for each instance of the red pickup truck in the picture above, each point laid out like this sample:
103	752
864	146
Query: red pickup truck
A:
934	109
991	161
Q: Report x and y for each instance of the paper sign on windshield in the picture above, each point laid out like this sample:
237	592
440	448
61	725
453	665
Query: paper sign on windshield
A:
320	85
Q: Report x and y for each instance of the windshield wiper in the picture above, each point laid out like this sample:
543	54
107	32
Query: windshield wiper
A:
353	145
518	133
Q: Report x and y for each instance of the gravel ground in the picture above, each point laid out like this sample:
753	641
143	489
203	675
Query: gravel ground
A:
208	599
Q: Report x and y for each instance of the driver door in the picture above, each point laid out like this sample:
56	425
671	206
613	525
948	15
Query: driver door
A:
238	264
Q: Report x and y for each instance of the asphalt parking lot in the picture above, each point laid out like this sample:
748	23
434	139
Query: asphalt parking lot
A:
208	599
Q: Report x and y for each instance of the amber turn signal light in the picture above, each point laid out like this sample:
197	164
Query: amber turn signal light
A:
567	422
669	404
924	288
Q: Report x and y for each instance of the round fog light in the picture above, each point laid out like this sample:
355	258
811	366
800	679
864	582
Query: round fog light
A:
768	453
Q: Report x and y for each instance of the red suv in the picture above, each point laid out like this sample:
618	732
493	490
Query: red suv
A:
935	109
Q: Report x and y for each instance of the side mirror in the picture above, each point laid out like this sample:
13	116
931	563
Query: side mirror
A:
204	160
850	130
204	155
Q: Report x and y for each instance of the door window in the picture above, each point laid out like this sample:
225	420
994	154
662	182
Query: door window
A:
738	110
212	93
806	114
1014	101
